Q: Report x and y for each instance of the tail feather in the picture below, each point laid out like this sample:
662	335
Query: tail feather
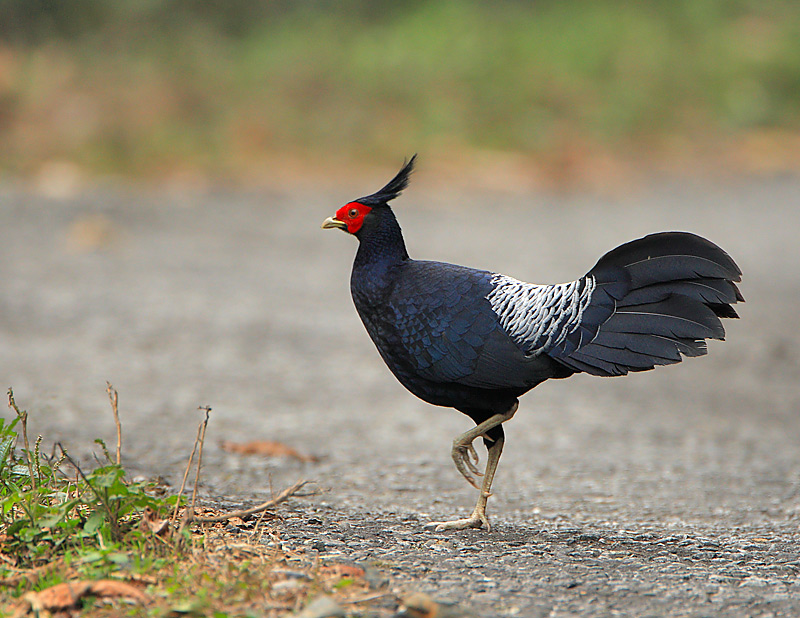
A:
667	349
593	365
723	310
677	247
676	287
676	316
644	345
705	290
675	268
622	357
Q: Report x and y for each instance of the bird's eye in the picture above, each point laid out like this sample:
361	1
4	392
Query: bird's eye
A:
353	213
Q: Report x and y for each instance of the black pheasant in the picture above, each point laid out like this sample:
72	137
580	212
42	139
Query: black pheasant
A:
476	340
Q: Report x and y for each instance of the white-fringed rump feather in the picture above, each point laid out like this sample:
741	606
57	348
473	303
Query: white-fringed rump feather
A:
538	317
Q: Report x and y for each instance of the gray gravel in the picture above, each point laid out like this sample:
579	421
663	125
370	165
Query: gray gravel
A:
674	492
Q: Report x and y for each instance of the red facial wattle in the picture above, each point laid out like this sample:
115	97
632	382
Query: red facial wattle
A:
352	215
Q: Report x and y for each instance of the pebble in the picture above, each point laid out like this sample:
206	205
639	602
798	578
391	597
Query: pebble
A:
287	586
421	605
754	581
321	607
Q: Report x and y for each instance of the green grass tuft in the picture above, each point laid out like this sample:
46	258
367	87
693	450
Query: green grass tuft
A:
51	510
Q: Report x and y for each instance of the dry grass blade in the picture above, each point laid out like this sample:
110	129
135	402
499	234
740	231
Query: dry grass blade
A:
198	442
23	417
114	398
201	441
186	474
281	497
188	515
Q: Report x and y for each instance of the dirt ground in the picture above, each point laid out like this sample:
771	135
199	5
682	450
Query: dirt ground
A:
675	492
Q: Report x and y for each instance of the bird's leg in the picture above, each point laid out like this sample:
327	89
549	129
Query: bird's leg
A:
478	517
464	455
462	452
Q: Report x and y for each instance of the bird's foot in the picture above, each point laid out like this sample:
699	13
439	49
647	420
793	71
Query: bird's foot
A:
478	519
466	457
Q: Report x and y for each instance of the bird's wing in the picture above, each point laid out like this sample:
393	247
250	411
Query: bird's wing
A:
448	331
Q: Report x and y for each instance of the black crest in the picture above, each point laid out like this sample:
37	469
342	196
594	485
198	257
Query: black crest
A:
393	188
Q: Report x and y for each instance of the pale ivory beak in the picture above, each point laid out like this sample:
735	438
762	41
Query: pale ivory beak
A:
332	222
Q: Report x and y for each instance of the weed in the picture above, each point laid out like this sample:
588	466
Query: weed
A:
69	536
47	513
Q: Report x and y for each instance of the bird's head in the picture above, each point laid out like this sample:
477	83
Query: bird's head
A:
350	217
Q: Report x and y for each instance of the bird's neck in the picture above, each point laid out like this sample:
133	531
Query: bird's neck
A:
381	240
381	248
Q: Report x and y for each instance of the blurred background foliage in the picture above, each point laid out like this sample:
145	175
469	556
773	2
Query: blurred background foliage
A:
228	88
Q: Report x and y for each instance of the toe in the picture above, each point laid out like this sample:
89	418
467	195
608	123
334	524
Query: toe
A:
456	524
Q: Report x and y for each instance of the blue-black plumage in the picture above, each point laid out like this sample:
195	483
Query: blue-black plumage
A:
476	340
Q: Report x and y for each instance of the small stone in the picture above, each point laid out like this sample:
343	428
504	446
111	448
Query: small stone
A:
421	605
292	574
287	586
374	578
321	607
754	581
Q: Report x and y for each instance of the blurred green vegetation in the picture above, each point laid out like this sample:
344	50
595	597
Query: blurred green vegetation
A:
151	87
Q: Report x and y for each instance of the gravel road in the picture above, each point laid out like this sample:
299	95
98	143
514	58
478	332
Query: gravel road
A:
674	492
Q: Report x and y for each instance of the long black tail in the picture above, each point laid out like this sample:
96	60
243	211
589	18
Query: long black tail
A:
656	299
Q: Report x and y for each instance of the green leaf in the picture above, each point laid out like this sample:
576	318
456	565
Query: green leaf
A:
9	429
119	558
191	607
104	447
16	526
19	470
94	522
344	583
92	556
106	477
10	502
6	442
117	491
49	521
